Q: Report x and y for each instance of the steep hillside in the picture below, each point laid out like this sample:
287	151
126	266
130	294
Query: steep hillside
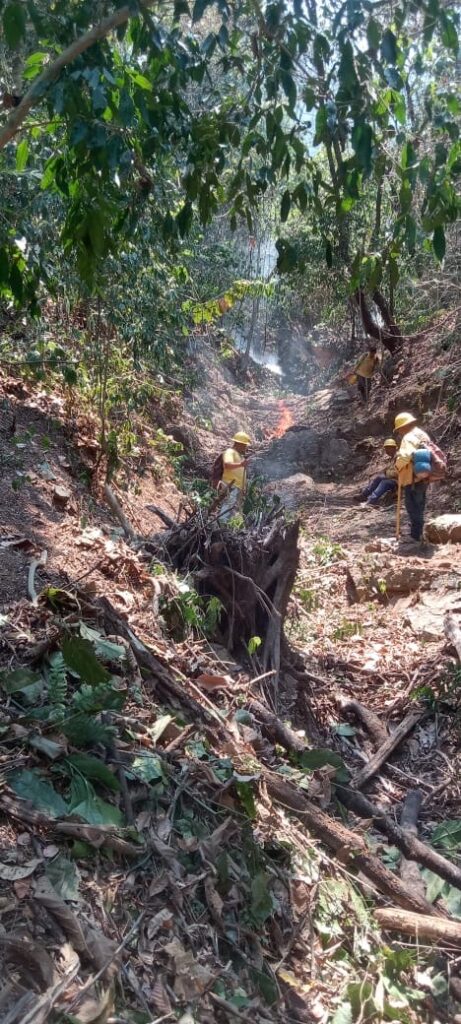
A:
170	829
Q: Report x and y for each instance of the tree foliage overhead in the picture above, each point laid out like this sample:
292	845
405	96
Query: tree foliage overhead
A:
177	110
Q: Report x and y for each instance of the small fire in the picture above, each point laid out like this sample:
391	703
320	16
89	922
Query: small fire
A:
285	420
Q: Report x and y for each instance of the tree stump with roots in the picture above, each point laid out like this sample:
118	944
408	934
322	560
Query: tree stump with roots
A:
251	570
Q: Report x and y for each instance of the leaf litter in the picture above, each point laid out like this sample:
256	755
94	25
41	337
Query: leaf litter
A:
215	904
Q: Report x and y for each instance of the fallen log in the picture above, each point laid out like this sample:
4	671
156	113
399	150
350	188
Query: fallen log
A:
275	729
442	931
166	519
409	870
350	848
453	633
387	748
372	723
406	841
116	508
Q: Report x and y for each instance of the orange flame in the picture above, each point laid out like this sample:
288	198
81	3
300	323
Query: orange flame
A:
285	420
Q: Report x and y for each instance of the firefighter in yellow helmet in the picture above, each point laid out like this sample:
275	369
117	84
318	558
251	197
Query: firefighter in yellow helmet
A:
230	475
412	439
386	481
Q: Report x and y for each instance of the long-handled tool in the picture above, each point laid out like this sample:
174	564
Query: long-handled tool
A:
399	506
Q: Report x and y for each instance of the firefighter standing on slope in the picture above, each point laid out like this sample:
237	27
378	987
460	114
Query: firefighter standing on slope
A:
364	371
233	475
414	472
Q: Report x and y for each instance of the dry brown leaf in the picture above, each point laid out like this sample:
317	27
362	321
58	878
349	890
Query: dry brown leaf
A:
160	999
159	884
31	958
214	901
48	898
102	951
50	851
191	977
94	1007
23	839
162	920
22	888
210	683
214	844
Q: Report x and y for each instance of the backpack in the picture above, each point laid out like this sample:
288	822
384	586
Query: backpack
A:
217	470
439	464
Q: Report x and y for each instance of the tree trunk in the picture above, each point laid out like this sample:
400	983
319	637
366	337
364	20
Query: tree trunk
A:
389	335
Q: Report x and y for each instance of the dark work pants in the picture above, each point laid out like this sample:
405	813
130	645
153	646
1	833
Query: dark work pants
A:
364	387
415	503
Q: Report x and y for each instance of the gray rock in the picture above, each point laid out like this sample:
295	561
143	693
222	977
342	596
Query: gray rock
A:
444	529
293	490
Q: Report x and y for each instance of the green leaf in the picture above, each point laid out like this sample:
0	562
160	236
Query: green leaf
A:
285	206
246	796
143	82
96	811
389	47
64	876
312	759
184	219
254	644
289	87
309	98
30	785
373	34
47	747
34	65
104	648
343	1014
79	656
343	729
261	906
434	885
14	23
94	769
362	141
200	7
148	768
180	7
449	33
266	985
20	679
22	155
438	243
287	257
447	835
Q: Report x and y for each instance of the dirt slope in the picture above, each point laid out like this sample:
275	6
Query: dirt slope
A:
215	921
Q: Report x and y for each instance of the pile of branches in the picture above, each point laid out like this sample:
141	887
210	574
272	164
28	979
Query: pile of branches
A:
250	569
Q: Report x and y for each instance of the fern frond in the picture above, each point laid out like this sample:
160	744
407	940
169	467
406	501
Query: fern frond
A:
57	680
83	731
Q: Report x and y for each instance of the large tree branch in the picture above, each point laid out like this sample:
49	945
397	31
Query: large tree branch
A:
38	88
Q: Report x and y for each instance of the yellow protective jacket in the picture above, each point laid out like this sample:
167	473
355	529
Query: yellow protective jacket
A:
367	364
415	439
234	476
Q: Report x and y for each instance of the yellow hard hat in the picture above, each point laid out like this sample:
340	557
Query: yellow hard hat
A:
241	438
390	443
404	419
